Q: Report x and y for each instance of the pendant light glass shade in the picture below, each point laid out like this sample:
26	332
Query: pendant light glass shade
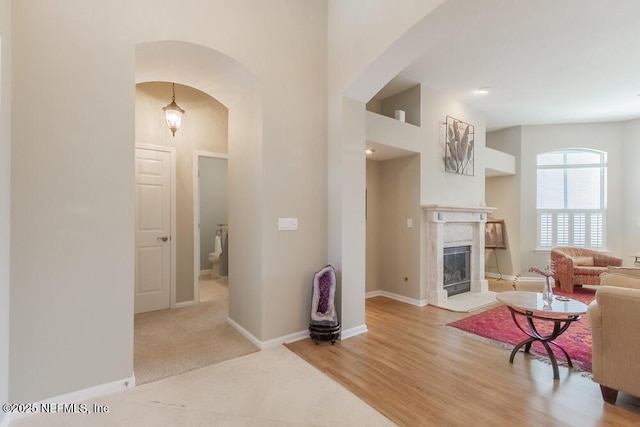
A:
173	113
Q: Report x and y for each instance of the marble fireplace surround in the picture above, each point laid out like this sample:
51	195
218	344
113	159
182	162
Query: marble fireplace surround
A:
450	226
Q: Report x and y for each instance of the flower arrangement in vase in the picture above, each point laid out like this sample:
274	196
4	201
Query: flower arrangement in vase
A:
547	290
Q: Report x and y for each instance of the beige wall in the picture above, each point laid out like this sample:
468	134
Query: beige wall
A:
72	192
438	186
245	208
204	128
408	100
85	170
503	193
375	250
401	252
5	179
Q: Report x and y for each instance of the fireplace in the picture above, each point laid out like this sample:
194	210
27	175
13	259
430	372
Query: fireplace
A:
456	266
454	248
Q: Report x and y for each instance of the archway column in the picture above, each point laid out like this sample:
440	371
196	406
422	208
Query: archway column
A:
347	230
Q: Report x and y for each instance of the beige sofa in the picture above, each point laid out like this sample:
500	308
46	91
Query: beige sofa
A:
614	317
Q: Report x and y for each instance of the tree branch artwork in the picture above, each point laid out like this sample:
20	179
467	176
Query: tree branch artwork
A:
459	150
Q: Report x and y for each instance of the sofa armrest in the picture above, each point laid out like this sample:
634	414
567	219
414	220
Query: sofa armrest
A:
563	270
604	260
613	318
619	280
627	271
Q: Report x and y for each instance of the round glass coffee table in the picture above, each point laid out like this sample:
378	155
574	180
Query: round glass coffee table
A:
529	305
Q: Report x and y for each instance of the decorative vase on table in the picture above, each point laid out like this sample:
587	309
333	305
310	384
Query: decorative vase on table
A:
549	283
547	291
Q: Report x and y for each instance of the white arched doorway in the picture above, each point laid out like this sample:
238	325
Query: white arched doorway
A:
196	68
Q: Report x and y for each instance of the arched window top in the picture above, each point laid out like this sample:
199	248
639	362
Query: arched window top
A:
572	157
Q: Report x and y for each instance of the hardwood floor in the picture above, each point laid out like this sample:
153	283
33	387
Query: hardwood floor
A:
417	371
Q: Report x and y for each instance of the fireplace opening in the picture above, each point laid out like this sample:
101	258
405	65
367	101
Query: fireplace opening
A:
457	270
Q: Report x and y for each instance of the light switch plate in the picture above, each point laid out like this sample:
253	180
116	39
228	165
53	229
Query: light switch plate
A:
287	224
409	222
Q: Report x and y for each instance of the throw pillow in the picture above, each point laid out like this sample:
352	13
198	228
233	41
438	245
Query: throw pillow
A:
586	261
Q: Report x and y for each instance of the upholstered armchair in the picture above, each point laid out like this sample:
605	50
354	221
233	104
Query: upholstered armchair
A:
579	266
613	317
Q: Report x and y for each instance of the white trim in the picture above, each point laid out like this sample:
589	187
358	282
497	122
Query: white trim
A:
83	395
245	333
296	336
263	345
508	278
373	294
401	298
196	216
184	304
352	332
211	154
172	162
204	273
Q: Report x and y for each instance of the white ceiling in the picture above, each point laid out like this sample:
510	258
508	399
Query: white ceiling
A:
546	61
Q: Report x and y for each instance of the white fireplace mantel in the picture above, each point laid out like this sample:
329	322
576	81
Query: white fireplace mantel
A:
457	213
449	226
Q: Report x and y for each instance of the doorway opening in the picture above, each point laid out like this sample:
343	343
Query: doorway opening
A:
211	222
192	331
202	77
393	224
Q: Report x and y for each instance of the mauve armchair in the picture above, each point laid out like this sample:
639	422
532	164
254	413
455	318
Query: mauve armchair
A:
579	266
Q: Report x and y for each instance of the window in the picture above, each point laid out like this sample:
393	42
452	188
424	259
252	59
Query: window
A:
571	198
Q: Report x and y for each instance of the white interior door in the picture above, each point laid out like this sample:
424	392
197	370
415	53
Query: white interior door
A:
153	230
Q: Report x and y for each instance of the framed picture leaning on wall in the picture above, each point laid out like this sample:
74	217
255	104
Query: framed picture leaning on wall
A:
494	231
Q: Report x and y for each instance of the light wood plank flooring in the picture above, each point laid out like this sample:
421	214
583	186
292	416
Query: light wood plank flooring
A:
416	371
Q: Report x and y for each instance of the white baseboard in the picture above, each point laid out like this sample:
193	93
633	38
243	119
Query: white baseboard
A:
373	294
401	298
352	332
296	336
81	395
184	304
540	279
263	345
245	333
205	273
503	277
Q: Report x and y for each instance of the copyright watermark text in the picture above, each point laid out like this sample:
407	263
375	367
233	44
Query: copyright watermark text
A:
54	408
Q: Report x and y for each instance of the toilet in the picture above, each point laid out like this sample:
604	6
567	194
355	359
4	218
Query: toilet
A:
214	258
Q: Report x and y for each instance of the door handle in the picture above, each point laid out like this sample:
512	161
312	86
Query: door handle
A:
163	238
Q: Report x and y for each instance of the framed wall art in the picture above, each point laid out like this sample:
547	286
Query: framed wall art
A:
459	147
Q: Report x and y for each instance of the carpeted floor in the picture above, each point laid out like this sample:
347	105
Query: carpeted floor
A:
169	342
497	325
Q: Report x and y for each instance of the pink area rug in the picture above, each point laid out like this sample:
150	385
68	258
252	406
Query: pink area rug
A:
496	324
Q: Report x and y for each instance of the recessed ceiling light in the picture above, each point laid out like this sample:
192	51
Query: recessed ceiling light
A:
483	90
369	151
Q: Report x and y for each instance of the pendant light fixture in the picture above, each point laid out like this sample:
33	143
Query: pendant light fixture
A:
173	113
